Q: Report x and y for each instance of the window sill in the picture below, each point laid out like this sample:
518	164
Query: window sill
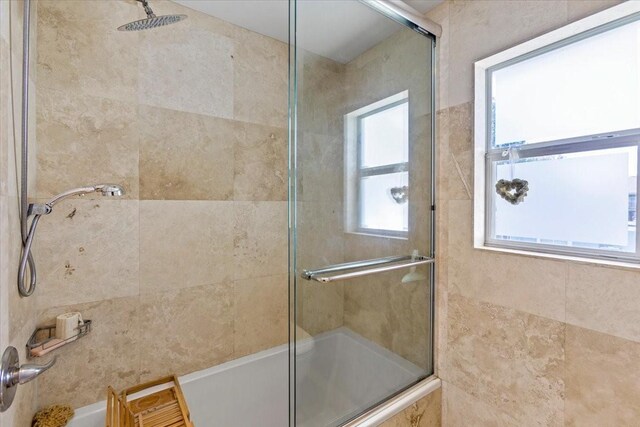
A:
381	236
558	257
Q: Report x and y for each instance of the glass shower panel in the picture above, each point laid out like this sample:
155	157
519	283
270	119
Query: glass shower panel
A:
361	191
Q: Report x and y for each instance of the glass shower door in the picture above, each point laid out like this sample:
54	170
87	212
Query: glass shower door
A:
361	209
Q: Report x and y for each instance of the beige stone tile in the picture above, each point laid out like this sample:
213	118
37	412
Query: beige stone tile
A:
260	239
460	409
604	299
108	355
171	69
440	14
186	330
528	284
261	163
115	12
261	318
602	379
260	80
483	28
84	140
578	9
185	244
186	156
450	183
322	95
509	359
441	283
398	63
420	158
320	168
359	247
25	405
419	226
426	412
101	62
390	313
87	250
320	234
461	149
320	237
320	307
5	118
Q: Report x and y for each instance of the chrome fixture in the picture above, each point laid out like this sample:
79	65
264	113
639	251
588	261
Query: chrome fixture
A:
413	275
24	146
379	265
151	21
37	210
12	375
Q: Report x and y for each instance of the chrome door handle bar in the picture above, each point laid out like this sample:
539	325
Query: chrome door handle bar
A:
371	266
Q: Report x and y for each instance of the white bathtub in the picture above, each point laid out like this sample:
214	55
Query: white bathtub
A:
339	373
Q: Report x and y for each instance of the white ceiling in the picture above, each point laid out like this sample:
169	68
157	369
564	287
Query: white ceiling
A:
336	29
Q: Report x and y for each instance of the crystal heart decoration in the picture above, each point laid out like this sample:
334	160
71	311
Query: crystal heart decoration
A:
399	194
513	191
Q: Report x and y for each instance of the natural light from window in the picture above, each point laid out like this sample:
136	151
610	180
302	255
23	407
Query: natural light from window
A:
588	87
562	140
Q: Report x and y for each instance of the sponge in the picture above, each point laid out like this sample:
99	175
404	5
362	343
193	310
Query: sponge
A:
53	416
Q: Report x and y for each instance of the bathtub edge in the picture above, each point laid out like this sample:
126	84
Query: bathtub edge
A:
396	404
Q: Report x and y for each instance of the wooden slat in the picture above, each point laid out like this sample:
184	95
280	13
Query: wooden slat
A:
164	408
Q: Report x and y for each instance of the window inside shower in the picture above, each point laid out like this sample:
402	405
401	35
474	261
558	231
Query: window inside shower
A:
377	167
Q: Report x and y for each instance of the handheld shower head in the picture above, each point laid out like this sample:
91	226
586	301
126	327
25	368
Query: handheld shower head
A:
105	189
112	190
37	210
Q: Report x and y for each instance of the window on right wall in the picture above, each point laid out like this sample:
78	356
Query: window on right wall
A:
557	141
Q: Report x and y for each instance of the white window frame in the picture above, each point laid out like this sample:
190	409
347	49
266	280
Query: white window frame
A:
354	170
484	153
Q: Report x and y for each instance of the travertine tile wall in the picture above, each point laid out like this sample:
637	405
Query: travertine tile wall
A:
523	341
185	271
320	223
17	315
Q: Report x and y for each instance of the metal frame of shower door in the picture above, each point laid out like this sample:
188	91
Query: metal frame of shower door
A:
291	205
395	403
398	401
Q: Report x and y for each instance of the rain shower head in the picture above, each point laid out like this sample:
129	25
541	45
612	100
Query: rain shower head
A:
151	21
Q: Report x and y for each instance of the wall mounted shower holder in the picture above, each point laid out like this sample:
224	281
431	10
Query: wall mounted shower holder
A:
43	340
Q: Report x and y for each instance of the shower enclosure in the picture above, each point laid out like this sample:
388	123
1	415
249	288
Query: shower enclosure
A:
272	241
361	206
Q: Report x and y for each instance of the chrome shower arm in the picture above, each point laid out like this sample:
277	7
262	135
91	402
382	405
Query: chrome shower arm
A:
147	9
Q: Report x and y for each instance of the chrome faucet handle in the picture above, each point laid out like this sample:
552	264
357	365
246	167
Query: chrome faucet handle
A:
29	372
12	374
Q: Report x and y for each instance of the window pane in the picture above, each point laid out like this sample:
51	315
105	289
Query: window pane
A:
384	137
378	209
588	87
584	200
